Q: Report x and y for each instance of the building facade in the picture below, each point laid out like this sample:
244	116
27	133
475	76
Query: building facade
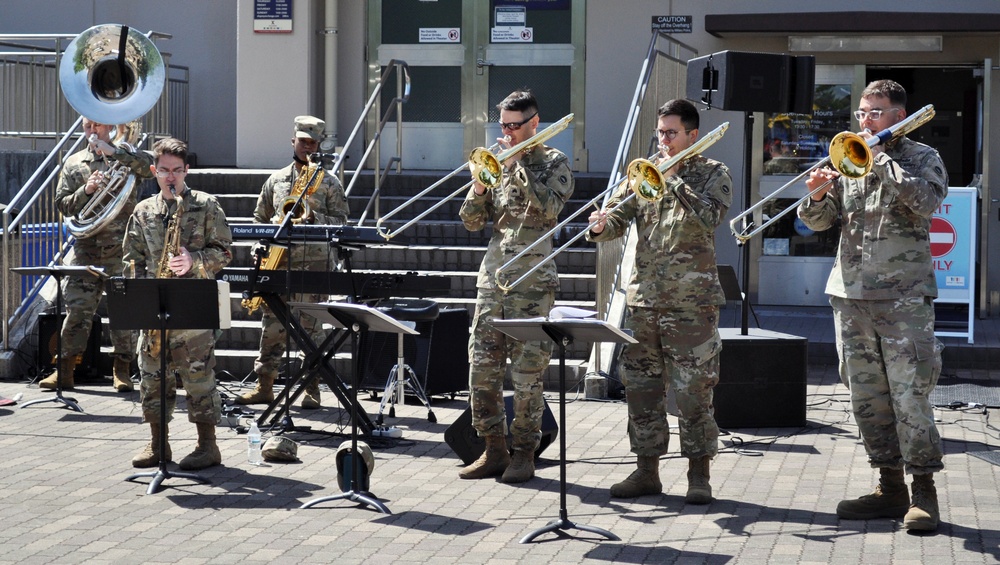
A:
255	64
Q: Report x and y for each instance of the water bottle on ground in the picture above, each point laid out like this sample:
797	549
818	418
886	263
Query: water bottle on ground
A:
253	444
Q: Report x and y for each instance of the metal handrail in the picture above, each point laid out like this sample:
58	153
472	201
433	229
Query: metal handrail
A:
613	261
29	81
396	107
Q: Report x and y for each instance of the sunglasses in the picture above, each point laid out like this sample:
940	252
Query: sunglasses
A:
514	126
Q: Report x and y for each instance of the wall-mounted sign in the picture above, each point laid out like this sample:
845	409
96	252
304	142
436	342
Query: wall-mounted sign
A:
512	35
510	16
509	25
440	35
672	24
272	16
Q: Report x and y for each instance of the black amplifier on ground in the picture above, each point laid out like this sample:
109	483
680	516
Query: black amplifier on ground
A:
466	443
762	380
439	355
48	335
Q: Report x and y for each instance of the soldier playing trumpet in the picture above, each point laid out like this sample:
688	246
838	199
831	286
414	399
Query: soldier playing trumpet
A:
673	300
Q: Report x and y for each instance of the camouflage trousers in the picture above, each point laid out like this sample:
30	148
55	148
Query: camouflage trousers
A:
81	296
678	349
891	361
273	336
488	353
191	355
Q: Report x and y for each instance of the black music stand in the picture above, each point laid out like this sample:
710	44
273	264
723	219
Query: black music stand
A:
563	332
57	272
357	318
163	304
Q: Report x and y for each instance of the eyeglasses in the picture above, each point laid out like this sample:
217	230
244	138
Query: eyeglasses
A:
164	174
514	126
861	115
670	134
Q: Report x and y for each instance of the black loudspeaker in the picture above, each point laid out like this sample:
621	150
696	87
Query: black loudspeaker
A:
753	82
439	355
48	336
762	380
462	438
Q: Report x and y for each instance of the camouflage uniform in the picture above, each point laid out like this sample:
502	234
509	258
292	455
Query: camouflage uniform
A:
673	297
329	206
881	288
206	236
523	208
104	249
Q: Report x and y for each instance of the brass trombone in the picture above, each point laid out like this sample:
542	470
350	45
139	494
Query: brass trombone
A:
851	156
486	168
643	177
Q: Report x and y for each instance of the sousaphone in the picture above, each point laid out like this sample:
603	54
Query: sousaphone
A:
111	74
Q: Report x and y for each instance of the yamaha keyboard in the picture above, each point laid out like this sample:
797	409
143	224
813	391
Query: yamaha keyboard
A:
359	285
351	235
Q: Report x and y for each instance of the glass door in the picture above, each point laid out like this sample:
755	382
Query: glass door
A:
464	56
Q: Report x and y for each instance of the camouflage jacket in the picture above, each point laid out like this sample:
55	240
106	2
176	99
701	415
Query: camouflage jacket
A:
523	208
204	233
884	251
675	265
327	202
71	199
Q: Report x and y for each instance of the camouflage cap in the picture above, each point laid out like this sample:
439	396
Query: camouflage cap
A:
308	126
280	449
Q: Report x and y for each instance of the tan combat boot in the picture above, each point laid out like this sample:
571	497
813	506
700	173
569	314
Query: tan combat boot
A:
699	490
206	453
150	455
890	499
64	374
923	513
310	400
521	468
494	460
263	393
122	375
644	480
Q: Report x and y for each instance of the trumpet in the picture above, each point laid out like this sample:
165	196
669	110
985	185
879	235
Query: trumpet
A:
850	155
643	177
486	168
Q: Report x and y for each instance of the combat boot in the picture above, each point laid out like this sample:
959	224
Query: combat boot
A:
890	499
644	480
122	375
263	393
310	400
64	375
494	460
150	455
206	453
699	490
521	468
923	513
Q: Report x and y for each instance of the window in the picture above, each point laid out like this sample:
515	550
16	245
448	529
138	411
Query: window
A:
793	143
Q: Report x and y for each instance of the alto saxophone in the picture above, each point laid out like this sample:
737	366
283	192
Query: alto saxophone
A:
171	248
276	253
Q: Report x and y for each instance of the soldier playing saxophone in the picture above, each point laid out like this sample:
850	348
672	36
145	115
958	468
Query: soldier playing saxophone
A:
203	240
